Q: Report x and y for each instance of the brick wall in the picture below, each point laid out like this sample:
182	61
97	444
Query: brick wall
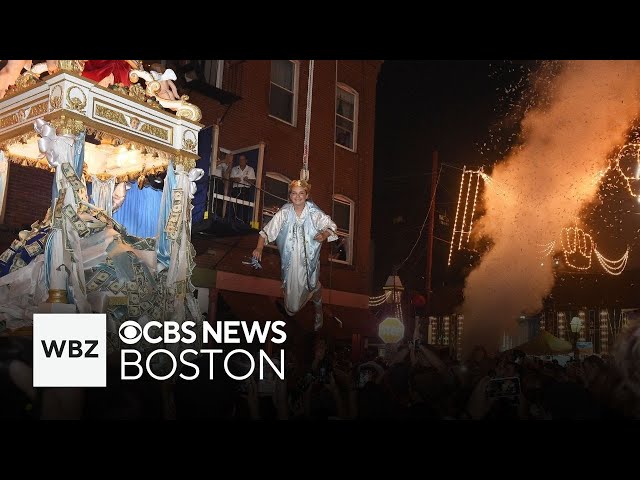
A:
333	169
28	195
246	123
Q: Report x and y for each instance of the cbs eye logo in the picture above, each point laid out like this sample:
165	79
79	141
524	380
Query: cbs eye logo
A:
130	332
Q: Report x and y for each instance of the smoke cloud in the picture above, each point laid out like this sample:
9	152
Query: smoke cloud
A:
541	187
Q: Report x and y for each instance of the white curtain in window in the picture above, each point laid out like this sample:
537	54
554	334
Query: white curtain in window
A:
282	73
345	104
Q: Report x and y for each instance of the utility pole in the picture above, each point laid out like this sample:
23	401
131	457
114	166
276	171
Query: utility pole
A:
432	218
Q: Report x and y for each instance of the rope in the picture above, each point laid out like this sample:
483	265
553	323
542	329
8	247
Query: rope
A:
433	198
333	185
304	173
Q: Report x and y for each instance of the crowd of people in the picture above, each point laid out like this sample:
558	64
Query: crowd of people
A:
417	382
321	382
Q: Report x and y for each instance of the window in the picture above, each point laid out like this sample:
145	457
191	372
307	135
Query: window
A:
274	195
346	116
342	249
284	90
236	200
213	72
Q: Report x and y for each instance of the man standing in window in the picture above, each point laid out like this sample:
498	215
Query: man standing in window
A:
243	176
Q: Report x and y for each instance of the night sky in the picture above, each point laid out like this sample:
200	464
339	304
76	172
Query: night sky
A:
448	106
469	111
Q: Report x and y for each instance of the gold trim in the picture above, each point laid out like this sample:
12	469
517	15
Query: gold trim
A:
28	162
71	66
68	126
187	163
157	108
55	98
134	122
39	109
9	120
111	115
142	118
44	96
57	296
20	114
26	80
124	177
74	102
94	126
155	131
129	176
189	143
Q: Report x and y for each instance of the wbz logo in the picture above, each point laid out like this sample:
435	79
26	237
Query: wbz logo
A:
69	350
75	348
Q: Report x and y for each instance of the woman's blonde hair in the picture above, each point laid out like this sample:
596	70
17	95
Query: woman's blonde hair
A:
300	183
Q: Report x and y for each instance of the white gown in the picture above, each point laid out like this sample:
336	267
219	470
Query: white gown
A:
295	284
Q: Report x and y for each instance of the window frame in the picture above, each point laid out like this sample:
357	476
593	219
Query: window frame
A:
356	108
281	178
347	201
219	74
294	103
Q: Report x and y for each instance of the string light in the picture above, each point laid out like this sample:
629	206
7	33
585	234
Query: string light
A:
464	215
462	229
604	331
582	243
583	326
446	320
635	151
577	241
613	267
455	222
433	325
379	300
473	210
548	248
561	326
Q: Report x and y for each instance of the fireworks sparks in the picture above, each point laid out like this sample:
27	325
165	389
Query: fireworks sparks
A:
570	117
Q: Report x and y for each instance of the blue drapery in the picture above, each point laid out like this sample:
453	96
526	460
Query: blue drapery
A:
139	211
200	198
163	247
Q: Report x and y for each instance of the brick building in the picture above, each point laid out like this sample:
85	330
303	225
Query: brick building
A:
259	108
262	105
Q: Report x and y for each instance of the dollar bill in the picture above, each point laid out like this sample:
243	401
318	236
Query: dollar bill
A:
117	301
98	280
115	287
7	255
18	262
181	287
72	178
33	249
76	221
134	298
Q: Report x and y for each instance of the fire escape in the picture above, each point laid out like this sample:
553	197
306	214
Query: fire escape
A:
217	79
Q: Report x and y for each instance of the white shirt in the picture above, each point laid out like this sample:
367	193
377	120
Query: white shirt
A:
220	169
247	174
